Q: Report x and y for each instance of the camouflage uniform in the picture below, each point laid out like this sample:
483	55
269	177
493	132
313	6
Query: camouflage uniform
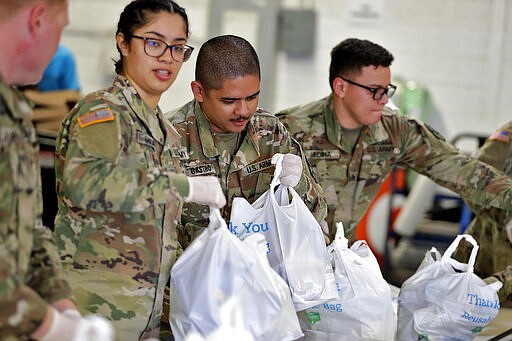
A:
30	276
351	178
119	201
246	174
488	227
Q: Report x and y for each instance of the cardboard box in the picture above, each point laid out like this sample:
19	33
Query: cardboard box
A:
53	98
51	107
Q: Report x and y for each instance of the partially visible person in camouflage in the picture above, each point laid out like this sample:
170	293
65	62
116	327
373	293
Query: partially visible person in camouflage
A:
119	182
353	140
36	301
492	227
227	136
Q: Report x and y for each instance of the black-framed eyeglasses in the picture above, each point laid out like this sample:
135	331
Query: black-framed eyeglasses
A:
378	92
156	48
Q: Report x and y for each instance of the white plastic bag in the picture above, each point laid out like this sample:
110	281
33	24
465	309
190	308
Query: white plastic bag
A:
364	309
231	325
445	300
216	268
296	246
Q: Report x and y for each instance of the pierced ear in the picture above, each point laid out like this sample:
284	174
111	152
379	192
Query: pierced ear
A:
338	86
197	90
35	18
122	44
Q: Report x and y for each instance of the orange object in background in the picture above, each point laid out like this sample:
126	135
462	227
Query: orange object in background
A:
376	222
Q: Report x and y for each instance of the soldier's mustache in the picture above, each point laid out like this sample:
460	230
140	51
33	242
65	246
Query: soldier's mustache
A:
239	118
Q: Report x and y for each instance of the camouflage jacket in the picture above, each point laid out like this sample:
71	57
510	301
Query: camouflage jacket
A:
119	199
488	226
351	178
30	275
246	174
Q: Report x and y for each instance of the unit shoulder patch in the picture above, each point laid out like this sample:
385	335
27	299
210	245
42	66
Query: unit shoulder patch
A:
98	116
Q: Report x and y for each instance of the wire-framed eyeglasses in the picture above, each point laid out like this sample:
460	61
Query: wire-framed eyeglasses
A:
378	92
156	48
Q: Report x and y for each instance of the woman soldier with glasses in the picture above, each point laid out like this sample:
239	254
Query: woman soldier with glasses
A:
119	184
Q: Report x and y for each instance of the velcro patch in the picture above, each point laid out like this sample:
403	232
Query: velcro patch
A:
98	116
500	135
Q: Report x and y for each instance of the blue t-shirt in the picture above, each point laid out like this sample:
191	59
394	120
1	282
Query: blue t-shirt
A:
61	73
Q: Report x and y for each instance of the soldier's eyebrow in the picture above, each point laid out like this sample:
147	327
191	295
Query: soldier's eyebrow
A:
162	37
239	98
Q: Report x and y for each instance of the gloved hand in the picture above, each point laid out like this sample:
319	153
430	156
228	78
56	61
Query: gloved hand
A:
508	230
205	190
69	325
292	170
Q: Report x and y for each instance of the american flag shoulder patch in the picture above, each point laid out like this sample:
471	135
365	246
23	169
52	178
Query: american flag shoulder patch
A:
98	116
500	135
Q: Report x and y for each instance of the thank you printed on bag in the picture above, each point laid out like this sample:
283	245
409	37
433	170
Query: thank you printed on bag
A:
247	227
446	314
247	220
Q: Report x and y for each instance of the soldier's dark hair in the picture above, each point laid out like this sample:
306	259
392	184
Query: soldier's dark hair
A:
351	55
139	13
225	57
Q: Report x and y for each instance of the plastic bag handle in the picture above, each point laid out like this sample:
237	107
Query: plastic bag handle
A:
277	159
340	241
216	220
340	231
447	256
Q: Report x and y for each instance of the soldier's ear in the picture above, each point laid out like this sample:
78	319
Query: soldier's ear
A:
338	87
35	18
197	90
122	44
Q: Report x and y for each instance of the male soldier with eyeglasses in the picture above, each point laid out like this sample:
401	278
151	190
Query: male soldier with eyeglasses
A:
353	141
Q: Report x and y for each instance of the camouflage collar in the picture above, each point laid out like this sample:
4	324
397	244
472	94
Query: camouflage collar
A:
332	126
15	102
205	134
140	108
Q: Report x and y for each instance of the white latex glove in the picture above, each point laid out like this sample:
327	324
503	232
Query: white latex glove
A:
71	326
72	313
508	230
292	170
206	190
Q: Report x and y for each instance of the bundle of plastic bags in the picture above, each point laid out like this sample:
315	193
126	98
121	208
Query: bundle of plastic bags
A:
218	268
445	300
295	244
364	309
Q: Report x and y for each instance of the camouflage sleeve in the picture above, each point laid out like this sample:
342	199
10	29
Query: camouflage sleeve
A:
427	152
497	153
493	153
101	178
497	149
505	276
46	267
24	293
